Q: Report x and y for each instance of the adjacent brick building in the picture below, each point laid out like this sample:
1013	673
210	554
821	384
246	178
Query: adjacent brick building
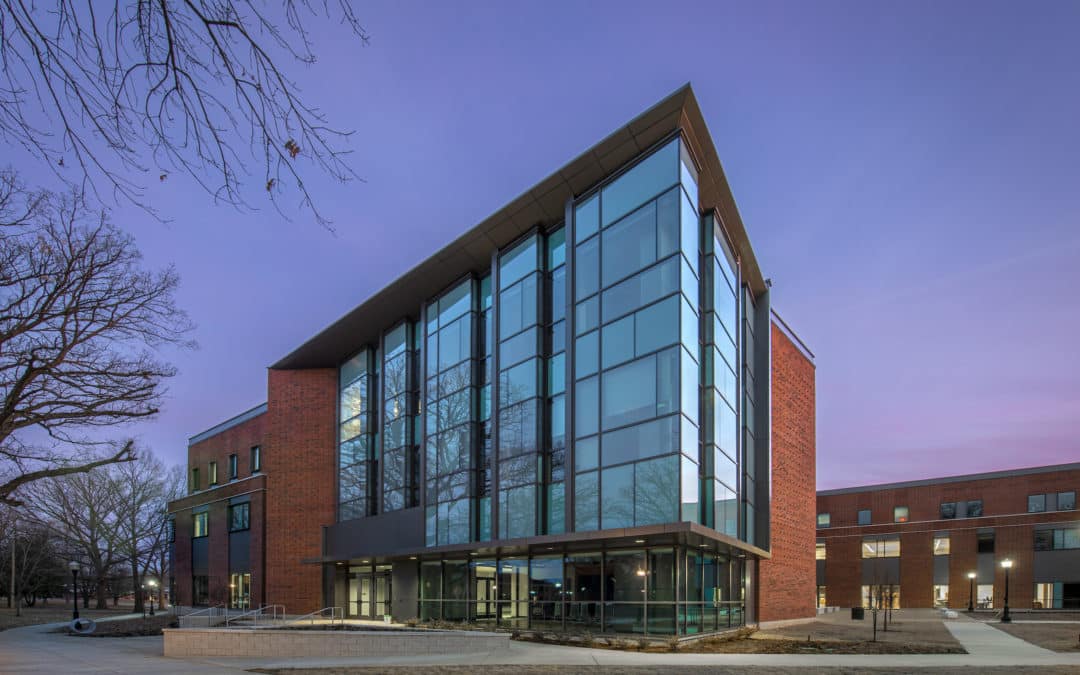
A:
583	414
920	540
217	532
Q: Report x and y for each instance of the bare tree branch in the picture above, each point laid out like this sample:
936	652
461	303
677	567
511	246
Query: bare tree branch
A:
80	322
151	85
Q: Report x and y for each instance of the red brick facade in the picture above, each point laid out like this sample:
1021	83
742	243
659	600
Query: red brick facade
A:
1004	499
238	439
788	579
301	483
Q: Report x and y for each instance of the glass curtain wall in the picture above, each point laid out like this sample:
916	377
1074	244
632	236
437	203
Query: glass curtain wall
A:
720	357
647	591
355	461
636	347
449	415
399	460
518	389
555	419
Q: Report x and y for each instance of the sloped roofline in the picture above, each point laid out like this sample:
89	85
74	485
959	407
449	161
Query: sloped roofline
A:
544	204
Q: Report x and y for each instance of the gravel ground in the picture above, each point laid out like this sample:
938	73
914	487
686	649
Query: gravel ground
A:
657	670
1060	638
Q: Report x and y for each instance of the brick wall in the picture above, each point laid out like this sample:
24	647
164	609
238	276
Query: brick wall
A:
237	440
788	580
299	460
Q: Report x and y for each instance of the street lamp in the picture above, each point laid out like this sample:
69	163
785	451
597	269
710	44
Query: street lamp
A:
1007	564
971	591
152	584
74	567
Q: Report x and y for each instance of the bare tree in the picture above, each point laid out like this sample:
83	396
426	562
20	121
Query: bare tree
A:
83	509
144	488
106	89
80	322
37	563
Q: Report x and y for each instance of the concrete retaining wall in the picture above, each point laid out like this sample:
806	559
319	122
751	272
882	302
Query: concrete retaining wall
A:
187	642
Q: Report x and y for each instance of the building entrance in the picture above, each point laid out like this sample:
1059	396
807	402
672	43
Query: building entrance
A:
369	592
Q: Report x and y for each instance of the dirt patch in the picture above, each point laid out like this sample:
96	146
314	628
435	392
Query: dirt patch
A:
923	629
809	638
1063	637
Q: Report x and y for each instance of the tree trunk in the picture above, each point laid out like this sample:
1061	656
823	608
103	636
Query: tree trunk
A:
136	585
101	594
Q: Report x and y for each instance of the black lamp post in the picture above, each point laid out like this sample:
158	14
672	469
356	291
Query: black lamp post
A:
1007	564
971	592
74	567
151	584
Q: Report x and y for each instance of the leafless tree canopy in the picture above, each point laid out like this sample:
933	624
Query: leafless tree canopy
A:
80	326
104	89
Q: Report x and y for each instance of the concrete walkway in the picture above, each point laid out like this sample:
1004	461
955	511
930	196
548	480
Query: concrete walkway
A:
34	649
983	640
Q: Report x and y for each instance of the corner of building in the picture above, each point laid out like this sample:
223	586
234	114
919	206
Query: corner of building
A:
788	579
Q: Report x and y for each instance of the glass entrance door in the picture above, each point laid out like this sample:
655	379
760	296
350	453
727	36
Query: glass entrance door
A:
369	592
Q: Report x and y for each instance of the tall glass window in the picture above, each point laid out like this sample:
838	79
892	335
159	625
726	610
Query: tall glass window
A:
720	365
355	460
637	347
485	450
519	394
554	493
450	403
399	404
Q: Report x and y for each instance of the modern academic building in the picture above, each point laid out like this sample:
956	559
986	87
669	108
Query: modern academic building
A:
582	414
941	542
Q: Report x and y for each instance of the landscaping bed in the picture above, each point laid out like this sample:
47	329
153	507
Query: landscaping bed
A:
136	627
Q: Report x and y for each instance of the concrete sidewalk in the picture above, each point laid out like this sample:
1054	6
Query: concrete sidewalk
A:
34	650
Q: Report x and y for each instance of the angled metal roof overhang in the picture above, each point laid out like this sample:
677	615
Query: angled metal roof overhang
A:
544	203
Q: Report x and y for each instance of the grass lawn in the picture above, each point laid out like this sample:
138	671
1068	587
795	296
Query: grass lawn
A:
51	613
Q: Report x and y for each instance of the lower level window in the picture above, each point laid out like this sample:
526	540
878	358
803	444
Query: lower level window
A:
882	596
984	596
240	590
941	595
200	590
820	596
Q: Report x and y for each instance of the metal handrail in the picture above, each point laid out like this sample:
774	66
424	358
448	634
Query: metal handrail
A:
337	614
269	612
209	612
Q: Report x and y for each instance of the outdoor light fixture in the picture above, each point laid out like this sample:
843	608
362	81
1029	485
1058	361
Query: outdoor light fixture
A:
74	567
639	541
971	591
641	573
1007	564
151	584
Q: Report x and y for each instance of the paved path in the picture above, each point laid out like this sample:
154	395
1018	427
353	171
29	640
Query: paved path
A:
35	650
983	640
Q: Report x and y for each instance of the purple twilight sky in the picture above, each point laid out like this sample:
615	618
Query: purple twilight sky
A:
909	175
